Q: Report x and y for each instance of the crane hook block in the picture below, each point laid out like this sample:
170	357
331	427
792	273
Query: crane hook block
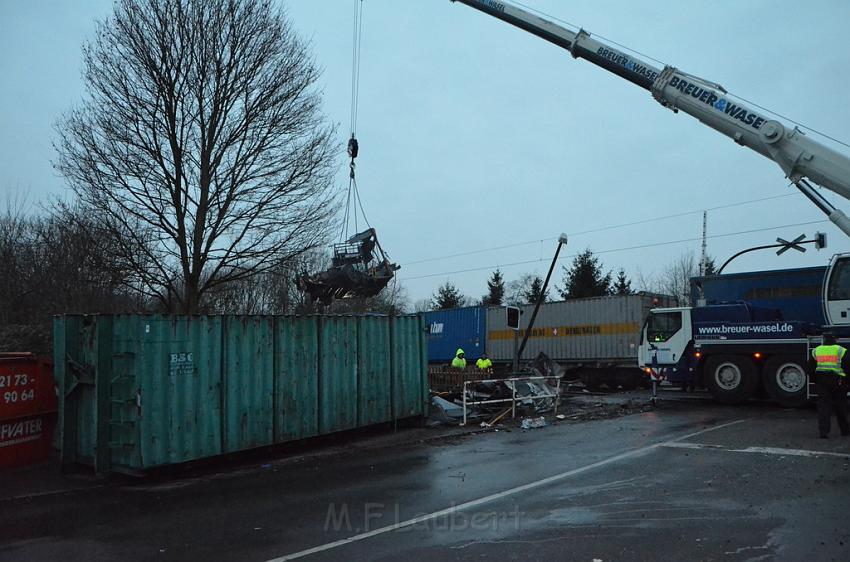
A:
353	147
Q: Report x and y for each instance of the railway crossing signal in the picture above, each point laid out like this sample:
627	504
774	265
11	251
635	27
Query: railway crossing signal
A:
795	243
513	317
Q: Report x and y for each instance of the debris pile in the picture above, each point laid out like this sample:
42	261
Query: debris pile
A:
493	400
533	423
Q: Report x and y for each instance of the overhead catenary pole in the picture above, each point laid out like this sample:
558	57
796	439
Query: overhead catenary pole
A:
562	241
704	255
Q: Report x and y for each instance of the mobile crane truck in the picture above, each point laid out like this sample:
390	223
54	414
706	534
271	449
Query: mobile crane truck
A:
734	349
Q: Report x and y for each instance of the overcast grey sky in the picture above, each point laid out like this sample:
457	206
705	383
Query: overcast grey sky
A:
478	135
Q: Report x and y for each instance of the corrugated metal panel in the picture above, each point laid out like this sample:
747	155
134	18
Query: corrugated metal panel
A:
85	419
373	371
140	391
248	382
26	386
64	349
595	329
407	367
449	330
74	369
795	292
338	374
176	364
297	370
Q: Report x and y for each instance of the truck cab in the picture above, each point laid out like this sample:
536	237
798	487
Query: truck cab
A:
735	350
665	339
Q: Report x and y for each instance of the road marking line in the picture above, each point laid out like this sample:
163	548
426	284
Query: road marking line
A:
496	496
762	450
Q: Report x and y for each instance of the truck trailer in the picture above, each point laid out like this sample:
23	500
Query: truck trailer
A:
753	332
596	339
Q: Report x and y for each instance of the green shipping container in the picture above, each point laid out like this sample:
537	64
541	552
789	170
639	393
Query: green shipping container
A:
142	391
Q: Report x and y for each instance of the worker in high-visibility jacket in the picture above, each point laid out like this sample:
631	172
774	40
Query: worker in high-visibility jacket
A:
484	363
459	362
828	367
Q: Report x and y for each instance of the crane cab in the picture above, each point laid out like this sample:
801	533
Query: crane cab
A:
665	337
836	291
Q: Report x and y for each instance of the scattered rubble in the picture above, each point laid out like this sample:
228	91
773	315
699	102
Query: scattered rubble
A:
533	423
520	401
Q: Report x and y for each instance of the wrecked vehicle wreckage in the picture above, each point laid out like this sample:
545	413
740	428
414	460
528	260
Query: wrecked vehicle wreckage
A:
482	396
359	268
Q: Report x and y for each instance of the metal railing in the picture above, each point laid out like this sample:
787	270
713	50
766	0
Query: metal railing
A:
514	398
811	388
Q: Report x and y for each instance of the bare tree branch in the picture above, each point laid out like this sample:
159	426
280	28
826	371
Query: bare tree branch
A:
201	147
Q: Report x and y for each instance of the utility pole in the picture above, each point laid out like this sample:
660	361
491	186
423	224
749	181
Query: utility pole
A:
703	257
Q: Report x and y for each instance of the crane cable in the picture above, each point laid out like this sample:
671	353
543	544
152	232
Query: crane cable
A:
353	202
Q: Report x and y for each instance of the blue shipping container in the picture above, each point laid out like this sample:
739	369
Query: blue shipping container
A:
464	328
794	292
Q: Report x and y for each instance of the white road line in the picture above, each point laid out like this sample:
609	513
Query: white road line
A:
762	450
496	496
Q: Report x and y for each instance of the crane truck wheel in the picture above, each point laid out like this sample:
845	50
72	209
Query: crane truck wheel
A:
731	379
784	379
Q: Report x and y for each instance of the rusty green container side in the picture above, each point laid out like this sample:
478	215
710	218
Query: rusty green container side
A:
407	367
140	391
338	374
373	370
248	382
63	347
74	372
124	390
296	378
180	362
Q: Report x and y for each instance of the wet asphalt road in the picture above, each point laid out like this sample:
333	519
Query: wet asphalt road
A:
685	482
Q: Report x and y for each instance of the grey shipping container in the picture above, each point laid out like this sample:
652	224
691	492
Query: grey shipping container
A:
141	391
586	331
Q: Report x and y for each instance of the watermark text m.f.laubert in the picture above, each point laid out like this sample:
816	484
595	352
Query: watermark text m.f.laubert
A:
375	515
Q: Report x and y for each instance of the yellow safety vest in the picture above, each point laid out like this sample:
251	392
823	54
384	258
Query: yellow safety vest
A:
829	359
484	364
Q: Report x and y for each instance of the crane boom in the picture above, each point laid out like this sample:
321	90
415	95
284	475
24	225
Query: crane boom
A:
799	156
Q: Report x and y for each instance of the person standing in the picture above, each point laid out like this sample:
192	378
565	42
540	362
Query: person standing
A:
484	363
459	362
828	367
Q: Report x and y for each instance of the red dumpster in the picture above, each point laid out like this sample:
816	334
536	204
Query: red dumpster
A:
27	409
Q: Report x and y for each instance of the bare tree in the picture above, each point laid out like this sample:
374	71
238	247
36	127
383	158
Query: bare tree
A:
392	300
201	146
54	261
675	279
422	305
274	291
516	290
16	249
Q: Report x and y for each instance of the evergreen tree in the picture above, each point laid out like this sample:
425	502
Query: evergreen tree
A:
623	285
446	297
710	268
585	278
531	294
495	290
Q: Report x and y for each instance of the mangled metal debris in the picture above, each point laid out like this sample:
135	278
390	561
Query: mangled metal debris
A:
533	423
359	268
